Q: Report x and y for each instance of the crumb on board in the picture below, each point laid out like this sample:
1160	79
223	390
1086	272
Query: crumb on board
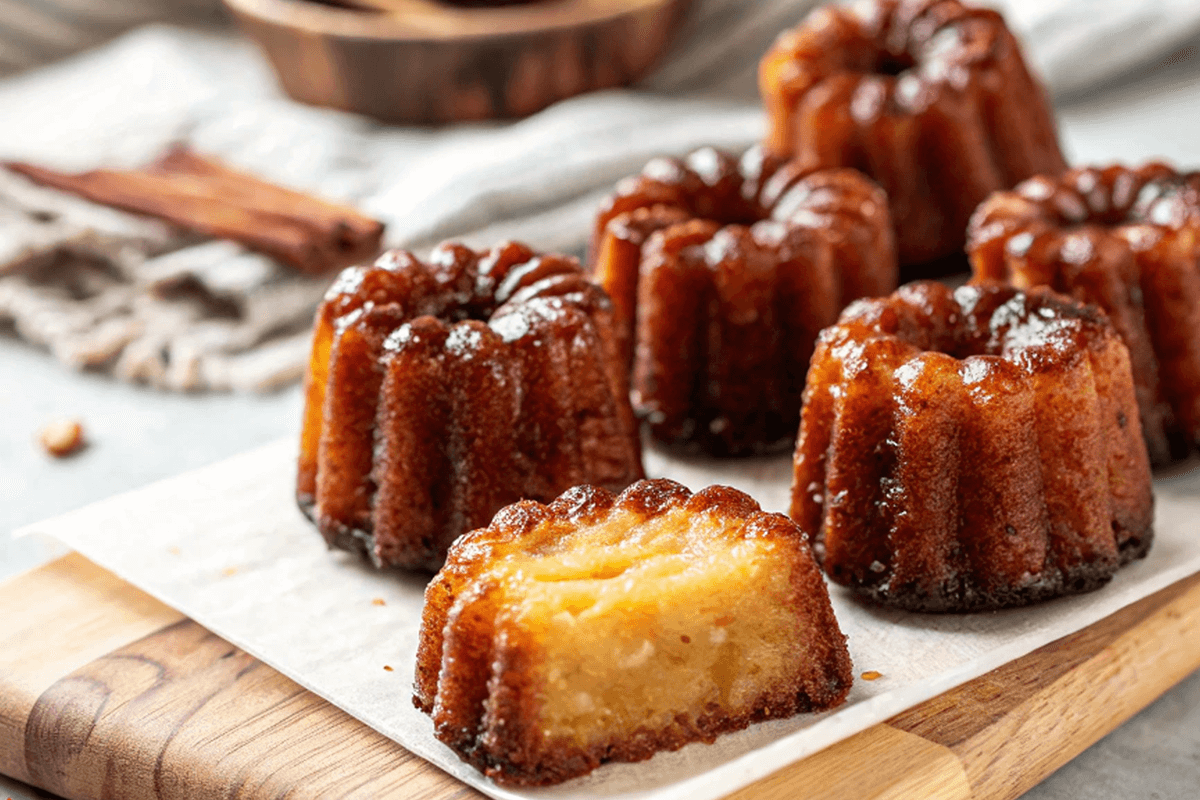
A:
378	601
62	437
387	668
871	675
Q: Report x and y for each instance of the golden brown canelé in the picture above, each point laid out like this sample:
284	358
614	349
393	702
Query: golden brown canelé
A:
1128	240
931	98
724	272
440	391
972	449
606	628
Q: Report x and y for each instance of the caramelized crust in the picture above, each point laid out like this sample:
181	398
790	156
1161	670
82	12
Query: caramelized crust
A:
931	98
606	628
723	272
1127	240
971	449
438	392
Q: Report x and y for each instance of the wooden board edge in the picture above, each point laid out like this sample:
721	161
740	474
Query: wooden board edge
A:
1051	728
91	612
998	736
903	766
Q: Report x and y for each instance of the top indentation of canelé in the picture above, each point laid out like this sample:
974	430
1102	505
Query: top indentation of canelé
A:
456	283
1115	195
893	64
1035	328
707	184
712	185
902	47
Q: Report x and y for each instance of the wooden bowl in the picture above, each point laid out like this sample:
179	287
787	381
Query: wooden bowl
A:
423	62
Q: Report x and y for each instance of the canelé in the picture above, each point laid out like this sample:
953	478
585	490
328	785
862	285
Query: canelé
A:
1128	240
723	272
931	98
440	391
972	449
605	628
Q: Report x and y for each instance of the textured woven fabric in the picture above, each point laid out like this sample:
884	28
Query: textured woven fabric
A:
34	32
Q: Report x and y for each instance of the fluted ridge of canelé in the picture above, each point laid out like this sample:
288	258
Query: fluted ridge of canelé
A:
608	627
722	272
1128	240
972	448
931	98
441	390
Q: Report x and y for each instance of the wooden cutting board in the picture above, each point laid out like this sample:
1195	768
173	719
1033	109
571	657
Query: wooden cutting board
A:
107	693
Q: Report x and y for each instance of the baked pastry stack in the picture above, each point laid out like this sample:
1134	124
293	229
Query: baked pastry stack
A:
605	628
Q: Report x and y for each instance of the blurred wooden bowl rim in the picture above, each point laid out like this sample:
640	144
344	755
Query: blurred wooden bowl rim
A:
439	63
428	20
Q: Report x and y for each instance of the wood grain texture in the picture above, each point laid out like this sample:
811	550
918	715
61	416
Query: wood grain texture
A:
53	621
183	714
1030	717
881	763
105	693
441	64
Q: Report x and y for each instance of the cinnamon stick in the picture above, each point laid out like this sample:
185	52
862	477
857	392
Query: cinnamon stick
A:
334	219
201	194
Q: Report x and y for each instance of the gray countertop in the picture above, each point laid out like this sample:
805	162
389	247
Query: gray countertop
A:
138	436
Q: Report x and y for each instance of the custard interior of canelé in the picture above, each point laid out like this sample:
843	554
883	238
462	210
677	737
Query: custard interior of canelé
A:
636	621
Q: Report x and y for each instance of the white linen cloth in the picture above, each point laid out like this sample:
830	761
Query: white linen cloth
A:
34	32
537	179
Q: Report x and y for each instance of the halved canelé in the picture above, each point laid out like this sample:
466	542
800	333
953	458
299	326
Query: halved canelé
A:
605	628
440	391
972	449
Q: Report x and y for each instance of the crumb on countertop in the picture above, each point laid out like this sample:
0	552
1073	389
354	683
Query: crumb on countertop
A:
62	437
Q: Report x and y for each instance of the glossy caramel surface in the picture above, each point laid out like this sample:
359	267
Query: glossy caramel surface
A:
441	390
1128	240
931	98
970	449
723	270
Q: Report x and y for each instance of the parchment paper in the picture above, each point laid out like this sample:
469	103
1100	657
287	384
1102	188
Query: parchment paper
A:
226	546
